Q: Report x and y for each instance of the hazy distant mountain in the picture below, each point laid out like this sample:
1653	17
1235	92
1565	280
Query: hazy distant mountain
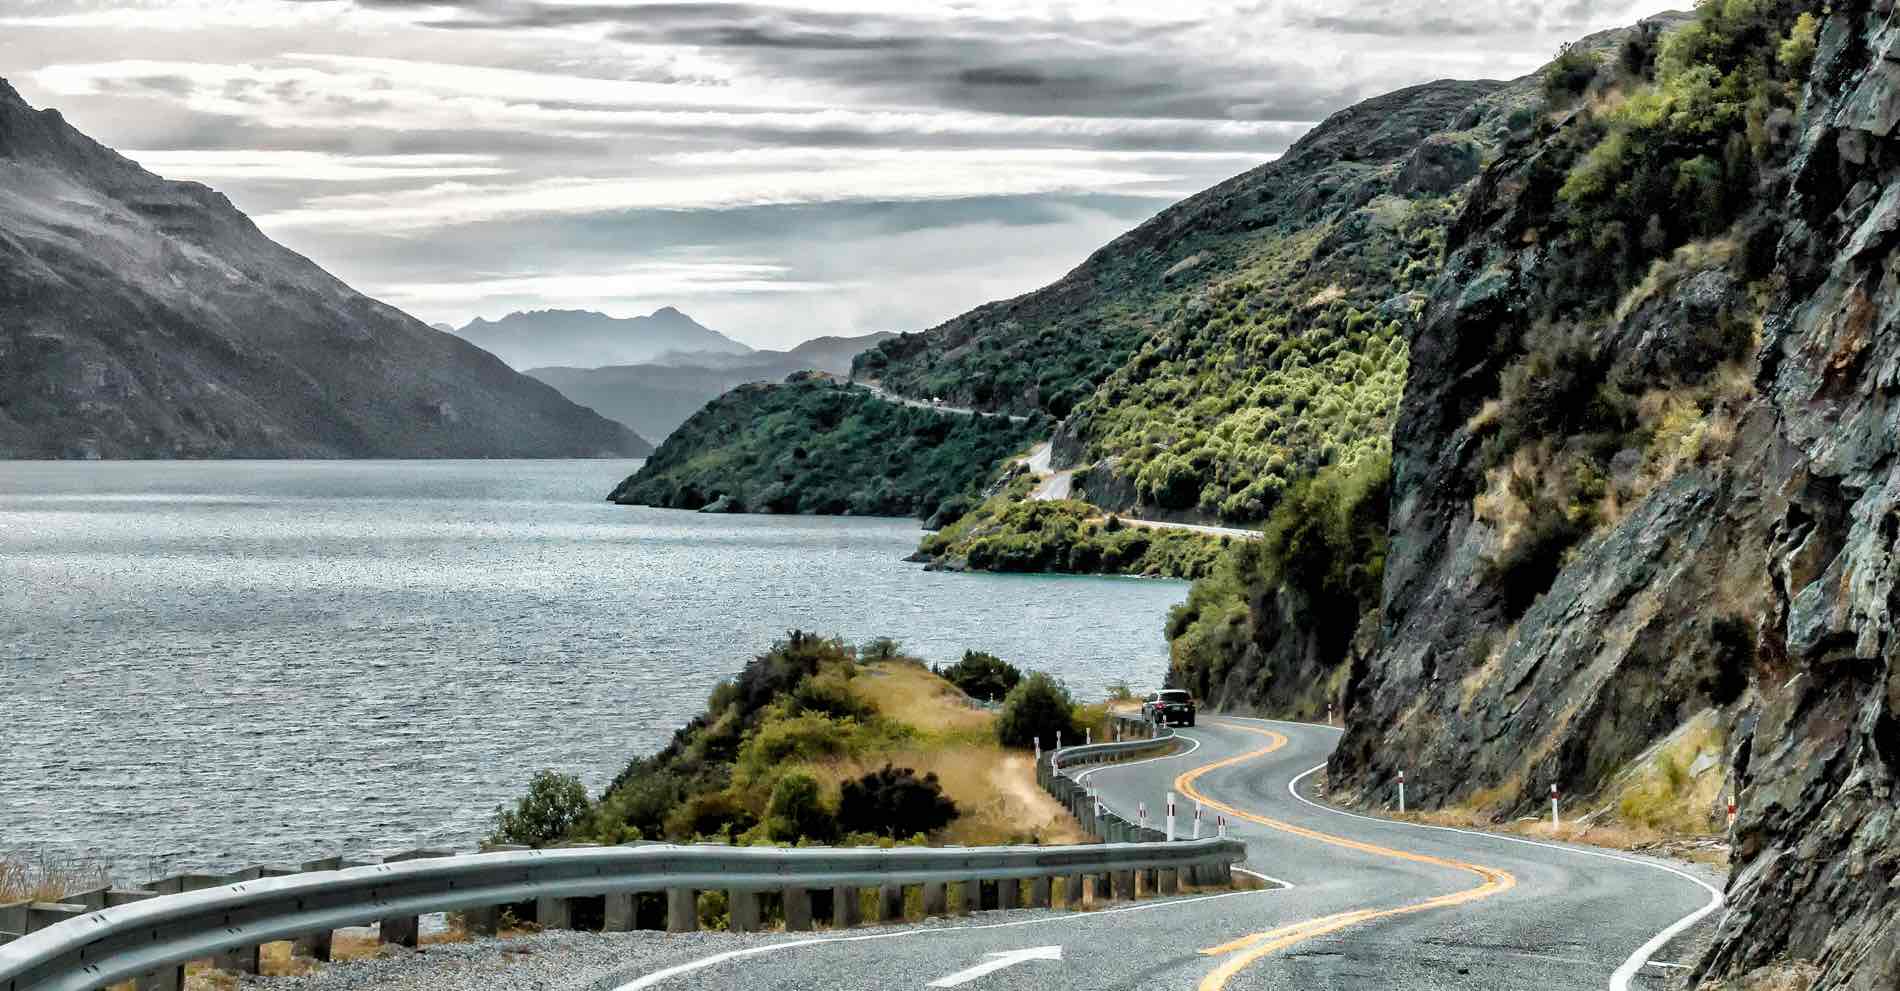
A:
586	339
142	318
655	398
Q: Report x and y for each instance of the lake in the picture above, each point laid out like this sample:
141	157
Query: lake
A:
209	664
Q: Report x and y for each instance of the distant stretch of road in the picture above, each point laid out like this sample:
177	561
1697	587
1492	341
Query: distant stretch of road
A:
1367	904
1059	483
892	397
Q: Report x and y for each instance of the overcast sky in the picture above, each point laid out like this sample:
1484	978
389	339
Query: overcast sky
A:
778	170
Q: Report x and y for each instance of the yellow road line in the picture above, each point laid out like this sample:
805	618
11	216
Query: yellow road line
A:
1248	949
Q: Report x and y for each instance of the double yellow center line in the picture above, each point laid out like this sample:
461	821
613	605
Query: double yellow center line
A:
1247	949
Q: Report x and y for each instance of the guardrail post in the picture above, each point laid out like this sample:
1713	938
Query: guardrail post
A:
890	903
168	978
797	910
1008	894
246	959
486	920
845	909
1072	890
1170	880
936	899
405	930
1123	885
972	897
682	910
1039	893
620	912
742	911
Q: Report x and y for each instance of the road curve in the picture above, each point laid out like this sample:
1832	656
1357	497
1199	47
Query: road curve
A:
1371	904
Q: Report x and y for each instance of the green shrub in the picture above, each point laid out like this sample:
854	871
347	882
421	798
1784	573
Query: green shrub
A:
797	811
1571	74
718	815
894	802
1037	709
551	810
981	676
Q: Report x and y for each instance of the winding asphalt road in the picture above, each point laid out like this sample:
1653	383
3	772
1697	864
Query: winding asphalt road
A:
1368	903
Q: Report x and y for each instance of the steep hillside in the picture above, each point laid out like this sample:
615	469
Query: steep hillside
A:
141	318
1643	483
813	445
586	339
1245	337
654	399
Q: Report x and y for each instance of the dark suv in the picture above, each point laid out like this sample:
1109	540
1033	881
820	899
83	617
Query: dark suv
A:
1171	706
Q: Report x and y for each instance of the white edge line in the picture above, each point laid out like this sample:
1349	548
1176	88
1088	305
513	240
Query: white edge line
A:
1078	779
1620	980
718	958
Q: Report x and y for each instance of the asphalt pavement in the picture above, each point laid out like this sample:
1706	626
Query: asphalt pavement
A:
1367	904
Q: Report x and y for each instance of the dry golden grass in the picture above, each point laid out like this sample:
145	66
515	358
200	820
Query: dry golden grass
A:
910	694
995	791
1790	975
41	878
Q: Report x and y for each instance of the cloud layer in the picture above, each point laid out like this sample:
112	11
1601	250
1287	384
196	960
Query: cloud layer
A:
779	169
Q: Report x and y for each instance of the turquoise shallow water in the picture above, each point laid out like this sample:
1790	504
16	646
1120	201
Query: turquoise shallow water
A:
211	664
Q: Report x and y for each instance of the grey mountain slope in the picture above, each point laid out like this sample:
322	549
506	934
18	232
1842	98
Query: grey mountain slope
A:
144	318
654	399
586	339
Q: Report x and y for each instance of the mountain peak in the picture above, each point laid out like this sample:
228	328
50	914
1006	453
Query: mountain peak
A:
555	338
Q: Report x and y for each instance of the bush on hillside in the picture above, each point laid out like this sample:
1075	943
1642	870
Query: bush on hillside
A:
1037	709
555	805
797	811
981	676
894	802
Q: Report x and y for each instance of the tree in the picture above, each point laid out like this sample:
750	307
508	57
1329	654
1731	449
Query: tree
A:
1037	709
894	802
554	805
981	675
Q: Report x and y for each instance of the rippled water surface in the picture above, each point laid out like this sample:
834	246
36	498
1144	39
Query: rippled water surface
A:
221	663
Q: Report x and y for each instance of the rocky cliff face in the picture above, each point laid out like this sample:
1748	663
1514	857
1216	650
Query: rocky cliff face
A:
1576	571
1817	866
144	318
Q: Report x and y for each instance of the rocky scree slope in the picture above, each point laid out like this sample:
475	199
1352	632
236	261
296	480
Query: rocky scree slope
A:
1645	471
142	318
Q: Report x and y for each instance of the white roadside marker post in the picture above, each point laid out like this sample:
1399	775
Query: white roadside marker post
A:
1220	826
1141	813
1058	739
1554	822
1731	811
1197	819
1401	793
1088	734
1170	817
1039	751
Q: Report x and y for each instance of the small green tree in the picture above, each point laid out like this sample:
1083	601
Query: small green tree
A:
796	811
1035	710
982	675
894	802
553	807
881	649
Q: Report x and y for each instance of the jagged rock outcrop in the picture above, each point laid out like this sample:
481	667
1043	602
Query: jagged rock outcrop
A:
142	318
1747	571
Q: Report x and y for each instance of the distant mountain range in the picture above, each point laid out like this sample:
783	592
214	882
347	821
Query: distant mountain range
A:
654	398
586	339
144	318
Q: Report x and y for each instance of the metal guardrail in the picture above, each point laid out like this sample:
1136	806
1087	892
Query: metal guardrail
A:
150	938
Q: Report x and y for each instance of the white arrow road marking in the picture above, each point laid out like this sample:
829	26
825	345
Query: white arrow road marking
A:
996	962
